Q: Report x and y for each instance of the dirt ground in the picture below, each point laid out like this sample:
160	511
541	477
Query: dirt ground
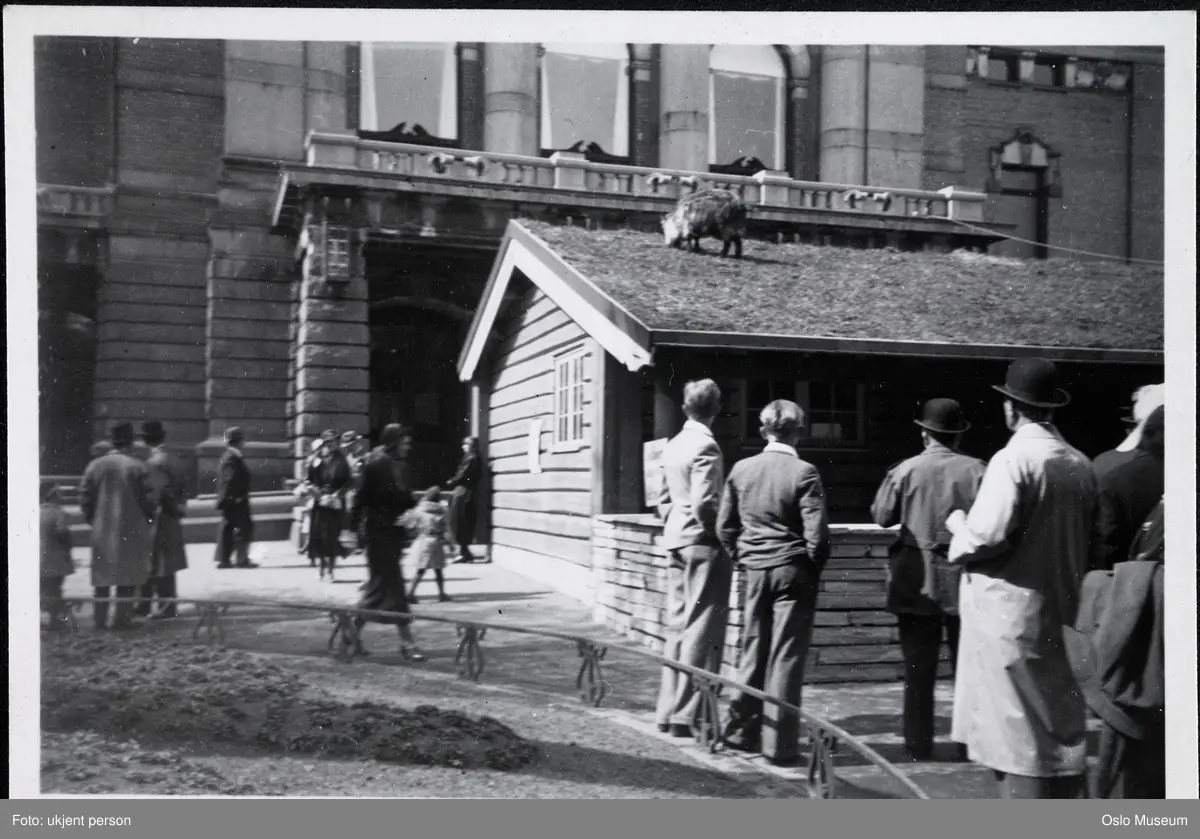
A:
159	715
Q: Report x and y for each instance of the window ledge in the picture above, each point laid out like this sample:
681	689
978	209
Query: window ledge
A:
562	448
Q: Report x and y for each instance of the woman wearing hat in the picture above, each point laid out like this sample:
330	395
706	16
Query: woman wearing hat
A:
383	499
918	494
329	479
1024	551
463	488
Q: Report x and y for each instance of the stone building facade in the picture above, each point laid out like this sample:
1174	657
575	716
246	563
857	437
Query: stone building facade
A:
238	233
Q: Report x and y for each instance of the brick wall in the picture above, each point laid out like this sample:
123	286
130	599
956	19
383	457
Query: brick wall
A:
965	117
73	110
151	308
1149	140
854	639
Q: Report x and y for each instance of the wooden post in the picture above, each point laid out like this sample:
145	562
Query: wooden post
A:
668	395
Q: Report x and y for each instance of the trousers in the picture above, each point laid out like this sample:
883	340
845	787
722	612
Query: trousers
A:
920	643
162	587
235	532
698	581
780	609
124	611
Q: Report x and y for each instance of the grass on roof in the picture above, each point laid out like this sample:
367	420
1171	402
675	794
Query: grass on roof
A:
804	290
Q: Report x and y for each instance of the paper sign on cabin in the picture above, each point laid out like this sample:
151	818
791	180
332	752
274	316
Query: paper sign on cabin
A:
535	447
652	473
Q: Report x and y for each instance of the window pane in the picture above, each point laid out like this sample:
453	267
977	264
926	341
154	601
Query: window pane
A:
412	83
746	118
1022	179
585	102
845	396
758	394
820	397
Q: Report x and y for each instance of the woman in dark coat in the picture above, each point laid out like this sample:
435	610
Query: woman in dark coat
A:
464	486
329	480
381	501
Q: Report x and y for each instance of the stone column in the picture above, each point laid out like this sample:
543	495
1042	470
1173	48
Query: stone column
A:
683	98
470	96
332	355
510	83
842	114
896	122
644	70
872	115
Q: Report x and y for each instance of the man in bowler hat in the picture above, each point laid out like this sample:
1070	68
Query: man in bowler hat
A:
1024	551
169	554
233	500
118	502
919	494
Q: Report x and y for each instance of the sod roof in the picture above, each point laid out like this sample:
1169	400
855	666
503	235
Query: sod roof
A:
809	291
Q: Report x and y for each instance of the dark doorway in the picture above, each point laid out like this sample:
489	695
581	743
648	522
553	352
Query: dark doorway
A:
1022	203
422	295
413	381
66	363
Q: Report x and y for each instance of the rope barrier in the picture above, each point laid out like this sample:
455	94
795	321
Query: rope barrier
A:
1012	238
824	736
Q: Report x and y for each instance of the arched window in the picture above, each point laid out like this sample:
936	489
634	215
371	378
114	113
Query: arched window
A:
585	100
747	109
408	91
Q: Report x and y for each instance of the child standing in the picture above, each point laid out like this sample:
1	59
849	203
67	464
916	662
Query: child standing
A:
429	524
56	554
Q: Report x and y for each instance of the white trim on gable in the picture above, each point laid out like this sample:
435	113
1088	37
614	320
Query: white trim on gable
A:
517	256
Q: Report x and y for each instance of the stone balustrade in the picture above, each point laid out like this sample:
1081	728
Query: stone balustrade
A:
769	190
854	638
77	201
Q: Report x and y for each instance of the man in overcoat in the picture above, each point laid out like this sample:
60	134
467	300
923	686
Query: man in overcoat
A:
233	500
774	523
117	500
1145	400
698	576
1128	494
919	494
169	555
1024	551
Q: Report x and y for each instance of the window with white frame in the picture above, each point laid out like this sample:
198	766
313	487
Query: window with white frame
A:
585	97
569	377
411	83
834	410
746	106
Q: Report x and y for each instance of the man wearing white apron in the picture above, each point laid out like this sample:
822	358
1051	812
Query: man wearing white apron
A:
1024	550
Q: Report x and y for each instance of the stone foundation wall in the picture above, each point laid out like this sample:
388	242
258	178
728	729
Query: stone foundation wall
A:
854	639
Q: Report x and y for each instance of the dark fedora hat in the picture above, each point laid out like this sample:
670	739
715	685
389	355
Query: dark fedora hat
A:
1034	381
234	434
943	416
121	434
153	430
329	436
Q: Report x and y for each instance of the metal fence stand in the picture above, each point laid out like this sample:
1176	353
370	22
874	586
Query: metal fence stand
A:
708	725
590	681
469	657
822	783
345	634
210	621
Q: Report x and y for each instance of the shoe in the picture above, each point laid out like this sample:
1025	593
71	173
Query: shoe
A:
224	565
409	652
961	754
247	565
412	598
445	598
663	727
681	730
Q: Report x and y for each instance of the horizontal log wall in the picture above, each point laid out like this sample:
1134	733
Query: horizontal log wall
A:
546	513
854	638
